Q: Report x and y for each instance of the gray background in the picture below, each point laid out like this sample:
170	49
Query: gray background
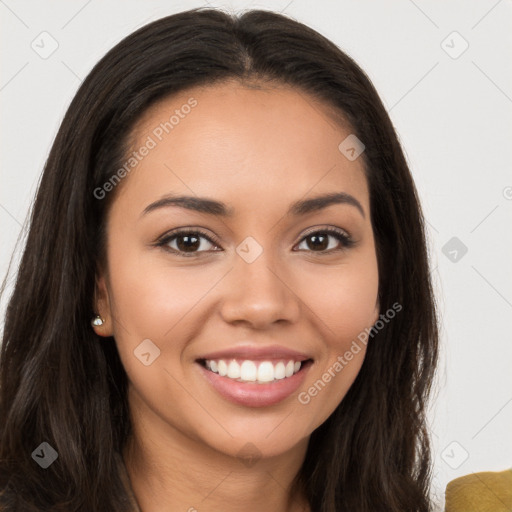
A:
451	107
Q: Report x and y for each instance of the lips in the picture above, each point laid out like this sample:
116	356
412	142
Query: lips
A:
275	372
274	353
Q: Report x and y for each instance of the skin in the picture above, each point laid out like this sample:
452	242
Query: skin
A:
257	150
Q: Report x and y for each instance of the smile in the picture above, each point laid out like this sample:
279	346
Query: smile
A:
254	383
253	371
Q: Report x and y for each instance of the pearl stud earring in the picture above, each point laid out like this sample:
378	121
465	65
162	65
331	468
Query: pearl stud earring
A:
97	321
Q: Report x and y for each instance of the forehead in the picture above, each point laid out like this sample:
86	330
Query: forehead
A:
248	147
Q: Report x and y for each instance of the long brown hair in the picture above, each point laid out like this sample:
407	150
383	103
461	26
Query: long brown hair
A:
59	384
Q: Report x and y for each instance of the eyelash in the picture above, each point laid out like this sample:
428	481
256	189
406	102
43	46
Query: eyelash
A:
346	241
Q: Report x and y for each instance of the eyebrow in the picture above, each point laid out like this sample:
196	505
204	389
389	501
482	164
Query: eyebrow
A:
212	207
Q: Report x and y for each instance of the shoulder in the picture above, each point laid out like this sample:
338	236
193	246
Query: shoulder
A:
480	492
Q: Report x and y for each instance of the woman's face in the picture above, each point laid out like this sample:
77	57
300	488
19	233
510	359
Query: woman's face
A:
263	284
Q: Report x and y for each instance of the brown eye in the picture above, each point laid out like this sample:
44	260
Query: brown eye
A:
187	243
318	241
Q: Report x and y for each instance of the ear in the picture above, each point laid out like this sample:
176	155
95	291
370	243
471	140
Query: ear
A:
102	307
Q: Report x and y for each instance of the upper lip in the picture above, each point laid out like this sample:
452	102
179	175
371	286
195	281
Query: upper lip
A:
257	353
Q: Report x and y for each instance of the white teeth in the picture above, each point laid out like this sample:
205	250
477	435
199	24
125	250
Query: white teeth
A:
234	370
250	371
266	372
223	368
279	371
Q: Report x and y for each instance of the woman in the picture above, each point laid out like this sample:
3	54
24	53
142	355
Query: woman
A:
224	301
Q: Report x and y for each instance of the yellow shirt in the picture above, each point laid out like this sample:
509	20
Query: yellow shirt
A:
480	492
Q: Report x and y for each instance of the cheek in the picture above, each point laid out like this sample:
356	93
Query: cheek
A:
152	300
151	296
345	299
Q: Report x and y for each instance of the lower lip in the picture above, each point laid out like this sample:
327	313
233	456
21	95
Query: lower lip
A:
252	394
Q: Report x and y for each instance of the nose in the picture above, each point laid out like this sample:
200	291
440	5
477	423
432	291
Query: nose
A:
259	294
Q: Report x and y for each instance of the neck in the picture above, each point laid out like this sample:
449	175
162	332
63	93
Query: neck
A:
169	470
